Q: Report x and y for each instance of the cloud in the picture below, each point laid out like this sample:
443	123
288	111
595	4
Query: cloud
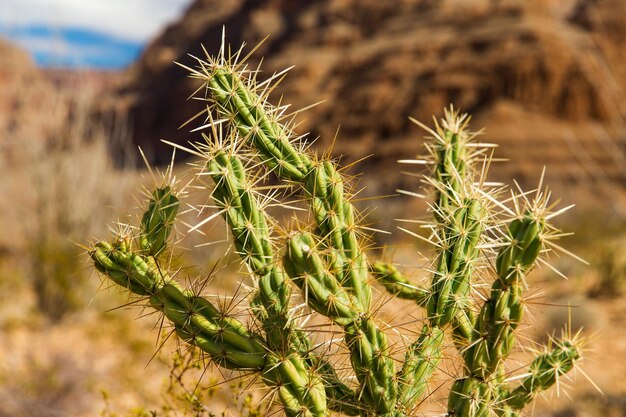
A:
136	20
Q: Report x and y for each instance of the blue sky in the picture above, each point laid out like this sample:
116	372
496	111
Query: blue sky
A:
105	34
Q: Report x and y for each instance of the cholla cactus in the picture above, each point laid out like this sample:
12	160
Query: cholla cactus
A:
476	237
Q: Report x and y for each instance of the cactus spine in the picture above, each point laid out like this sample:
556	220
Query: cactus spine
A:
326	262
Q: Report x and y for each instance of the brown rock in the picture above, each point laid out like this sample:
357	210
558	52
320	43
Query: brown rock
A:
45	106
546	77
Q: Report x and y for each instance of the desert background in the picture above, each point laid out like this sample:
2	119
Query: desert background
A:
546	79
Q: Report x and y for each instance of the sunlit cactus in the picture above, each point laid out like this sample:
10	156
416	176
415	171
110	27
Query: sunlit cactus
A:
478	238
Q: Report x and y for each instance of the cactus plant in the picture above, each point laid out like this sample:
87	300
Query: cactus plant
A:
475	235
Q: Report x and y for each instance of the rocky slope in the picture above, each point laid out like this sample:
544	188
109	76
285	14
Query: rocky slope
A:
26	97
546	78
39	105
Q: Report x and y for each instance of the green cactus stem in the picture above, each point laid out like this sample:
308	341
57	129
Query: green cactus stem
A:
544	372
503	311
323	258
397	284
158	220
225	339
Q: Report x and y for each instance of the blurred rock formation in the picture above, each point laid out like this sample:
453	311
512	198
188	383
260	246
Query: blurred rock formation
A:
547	79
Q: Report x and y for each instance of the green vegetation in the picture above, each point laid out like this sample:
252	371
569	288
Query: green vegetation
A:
478	237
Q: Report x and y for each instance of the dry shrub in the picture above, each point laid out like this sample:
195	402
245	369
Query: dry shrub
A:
59	181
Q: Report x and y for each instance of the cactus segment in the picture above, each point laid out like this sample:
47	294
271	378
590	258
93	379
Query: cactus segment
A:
515	260
126	268
299	390
453	161
158	220
335	226
420	363
226	340
247	113
320	287
544	372
470	397
374	368
451	281
397	284
369	351
503	310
